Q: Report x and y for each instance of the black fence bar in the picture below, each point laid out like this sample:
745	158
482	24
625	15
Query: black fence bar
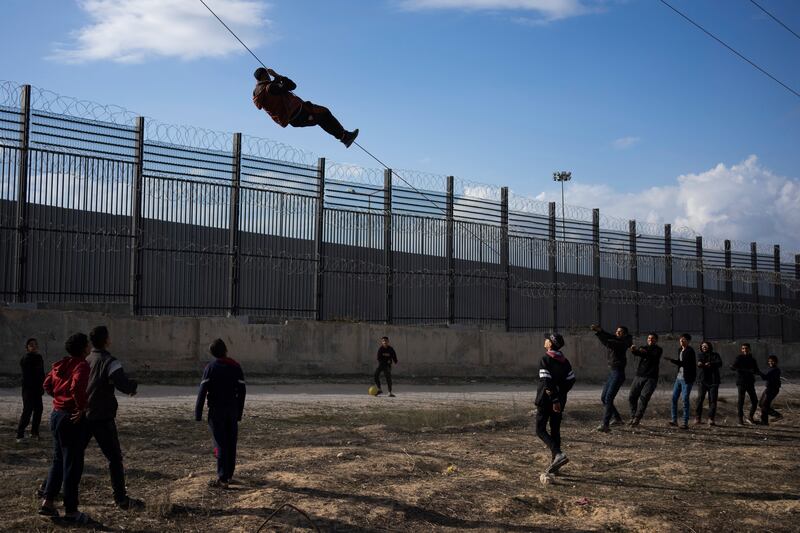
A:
504	257
551	261
729	285
634	273
21	241
701	283
136	220
754	285
388	260
449	254
668	273
776	255
233	229
319	242
596	266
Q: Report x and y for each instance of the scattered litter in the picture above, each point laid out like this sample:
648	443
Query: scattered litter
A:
584	501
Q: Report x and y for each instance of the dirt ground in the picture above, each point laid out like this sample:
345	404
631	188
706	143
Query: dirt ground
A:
435	458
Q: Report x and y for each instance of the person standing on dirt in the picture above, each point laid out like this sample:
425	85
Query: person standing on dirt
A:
556	379
32	366
746	369
106	375
687	371
386	357
224	386
773	378
644	385
617	346
708	365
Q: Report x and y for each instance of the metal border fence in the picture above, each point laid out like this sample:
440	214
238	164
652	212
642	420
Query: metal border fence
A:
97	205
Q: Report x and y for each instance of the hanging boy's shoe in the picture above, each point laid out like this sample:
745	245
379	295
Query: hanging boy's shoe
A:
560	460
349	137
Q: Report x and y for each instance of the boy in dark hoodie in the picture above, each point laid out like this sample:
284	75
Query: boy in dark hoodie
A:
644	385
32	366
66	383
746	369
617	346
708	364
773	378
223	384
556	378
687	371
386	358
106	375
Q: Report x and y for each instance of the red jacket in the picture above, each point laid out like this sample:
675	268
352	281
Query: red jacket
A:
67	382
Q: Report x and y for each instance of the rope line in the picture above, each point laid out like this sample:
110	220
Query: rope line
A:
232	33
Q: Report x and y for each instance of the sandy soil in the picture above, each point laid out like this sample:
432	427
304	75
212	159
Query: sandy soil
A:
436	458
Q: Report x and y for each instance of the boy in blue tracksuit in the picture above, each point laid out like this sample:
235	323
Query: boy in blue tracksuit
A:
223	384
556	378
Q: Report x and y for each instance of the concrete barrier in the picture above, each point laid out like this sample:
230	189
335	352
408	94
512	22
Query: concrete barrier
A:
178	345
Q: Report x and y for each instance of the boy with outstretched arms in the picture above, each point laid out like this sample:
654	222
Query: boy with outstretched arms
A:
106	375
223	384
644	385
708	365
617	346
556	378
773	378
66	383
386	358
32	366
687	371
746	370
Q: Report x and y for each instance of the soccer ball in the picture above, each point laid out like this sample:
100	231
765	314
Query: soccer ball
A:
547	479
373	391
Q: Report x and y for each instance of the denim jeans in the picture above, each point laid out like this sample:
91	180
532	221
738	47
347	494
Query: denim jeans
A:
69	443
615	379
685	389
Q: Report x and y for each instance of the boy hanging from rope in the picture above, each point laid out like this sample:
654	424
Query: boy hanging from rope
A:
273	94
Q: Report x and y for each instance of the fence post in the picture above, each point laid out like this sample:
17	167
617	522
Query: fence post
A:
450	253
21	244
136	222
754	285
233	229
596	265
634	272
701	283
551	261
778	286
319	241
387	243
729	286
504	245
668	274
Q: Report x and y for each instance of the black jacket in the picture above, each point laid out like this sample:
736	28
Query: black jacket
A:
32	366
617	348
773	379
746	369
556	378
708	375
223	384
386	356
650	359
105	375
688	362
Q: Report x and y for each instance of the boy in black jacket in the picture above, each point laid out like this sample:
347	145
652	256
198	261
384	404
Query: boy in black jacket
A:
687	371
556	378
32	366
223	384
617	345
386	358
646	379
746	369
708	365
107	374
773	379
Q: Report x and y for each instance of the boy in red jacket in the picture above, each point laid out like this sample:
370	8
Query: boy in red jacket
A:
66	383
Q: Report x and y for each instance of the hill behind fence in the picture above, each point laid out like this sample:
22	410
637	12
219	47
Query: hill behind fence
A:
99	205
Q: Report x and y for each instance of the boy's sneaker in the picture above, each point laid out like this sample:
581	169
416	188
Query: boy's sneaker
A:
685	425
634	422
349	137
711	422
20	440
560	460
617	422
750	420
129	503
741	422
602	428
391	395
379	392
218	484
698	420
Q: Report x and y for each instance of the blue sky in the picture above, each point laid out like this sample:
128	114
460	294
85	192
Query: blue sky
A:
654	119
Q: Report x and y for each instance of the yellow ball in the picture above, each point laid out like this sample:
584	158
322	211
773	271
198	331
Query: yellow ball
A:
373	391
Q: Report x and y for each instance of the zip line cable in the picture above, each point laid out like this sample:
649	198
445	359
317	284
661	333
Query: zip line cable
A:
720	41
384	165
776	19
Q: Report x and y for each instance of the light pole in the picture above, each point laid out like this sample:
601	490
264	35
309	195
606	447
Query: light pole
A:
563	176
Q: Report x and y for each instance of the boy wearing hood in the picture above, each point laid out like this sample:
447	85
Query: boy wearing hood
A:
66	383
687	371
223	384
746	369
708	364
32	366
556	378
644	385
617	346
773	378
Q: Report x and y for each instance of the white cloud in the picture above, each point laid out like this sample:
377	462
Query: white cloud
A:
132	31
548	10
623	143
742	202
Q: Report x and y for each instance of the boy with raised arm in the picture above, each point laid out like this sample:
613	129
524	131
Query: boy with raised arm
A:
556	378
708	365
687	371
617	346
644	385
